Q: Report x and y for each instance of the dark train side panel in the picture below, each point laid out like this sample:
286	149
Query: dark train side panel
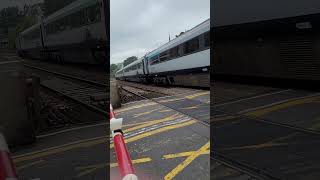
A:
279	48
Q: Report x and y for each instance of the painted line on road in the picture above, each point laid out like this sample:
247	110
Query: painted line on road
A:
90	142
146	113
157	131
19	168
173	173
60	149
119	111
250	98
184	154
71	129
91	168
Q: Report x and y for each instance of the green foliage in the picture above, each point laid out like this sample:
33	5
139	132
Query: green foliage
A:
129	60
113	69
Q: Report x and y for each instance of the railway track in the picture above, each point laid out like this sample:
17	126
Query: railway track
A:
89	94
141	94
157	89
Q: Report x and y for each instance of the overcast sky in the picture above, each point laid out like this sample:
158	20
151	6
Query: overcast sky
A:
139	26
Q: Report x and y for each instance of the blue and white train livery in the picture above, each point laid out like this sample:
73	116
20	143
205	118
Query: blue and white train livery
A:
184	60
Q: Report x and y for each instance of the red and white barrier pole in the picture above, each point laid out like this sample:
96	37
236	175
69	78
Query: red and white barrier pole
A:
7	169
123	157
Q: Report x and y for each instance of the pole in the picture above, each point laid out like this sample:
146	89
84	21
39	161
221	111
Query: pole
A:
123	157
7	169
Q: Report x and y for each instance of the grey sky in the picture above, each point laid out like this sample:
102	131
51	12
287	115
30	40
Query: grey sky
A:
139	26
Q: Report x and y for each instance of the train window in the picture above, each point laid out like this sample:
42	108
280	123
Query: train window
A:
174	52
154	60
164	56
192	45
207	39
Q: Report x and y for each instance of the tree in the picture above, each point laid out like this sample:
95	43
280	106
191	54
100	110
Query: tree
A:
129	60
113	69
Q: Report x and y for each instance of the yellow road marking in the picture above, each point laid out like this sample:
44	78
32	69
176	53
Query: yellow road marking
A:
91	142
145	113
170	100
186	162
134	107
257	146
223	118
272	143
157	131
197	95
91	168
153	122
165	110
284	105
59	149
183	154
119	111
19	168
135	161
265	110
191	107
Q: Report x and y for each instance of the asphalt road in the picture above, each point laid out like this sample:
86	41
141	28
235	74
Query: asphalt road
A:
65	154
271	129
167	143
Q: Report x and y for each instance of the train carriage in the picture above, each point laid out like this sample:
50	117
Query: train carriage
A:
184	60
74	34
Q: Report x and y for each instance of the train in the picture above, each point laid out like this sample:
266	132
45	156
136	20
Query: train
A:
183	61
267	40
73	34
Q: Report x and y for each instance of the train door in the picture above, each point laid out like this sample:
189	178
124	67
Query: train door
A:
42	32
145	66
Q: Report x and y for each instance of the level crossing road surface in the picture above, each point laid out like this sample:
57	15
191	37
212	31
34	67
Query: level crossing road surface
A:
167	137
275	130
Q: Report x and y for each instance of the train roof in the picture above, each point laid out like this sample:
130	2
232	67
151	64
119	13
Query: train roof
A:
131	64
69	9
194	32
232	12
